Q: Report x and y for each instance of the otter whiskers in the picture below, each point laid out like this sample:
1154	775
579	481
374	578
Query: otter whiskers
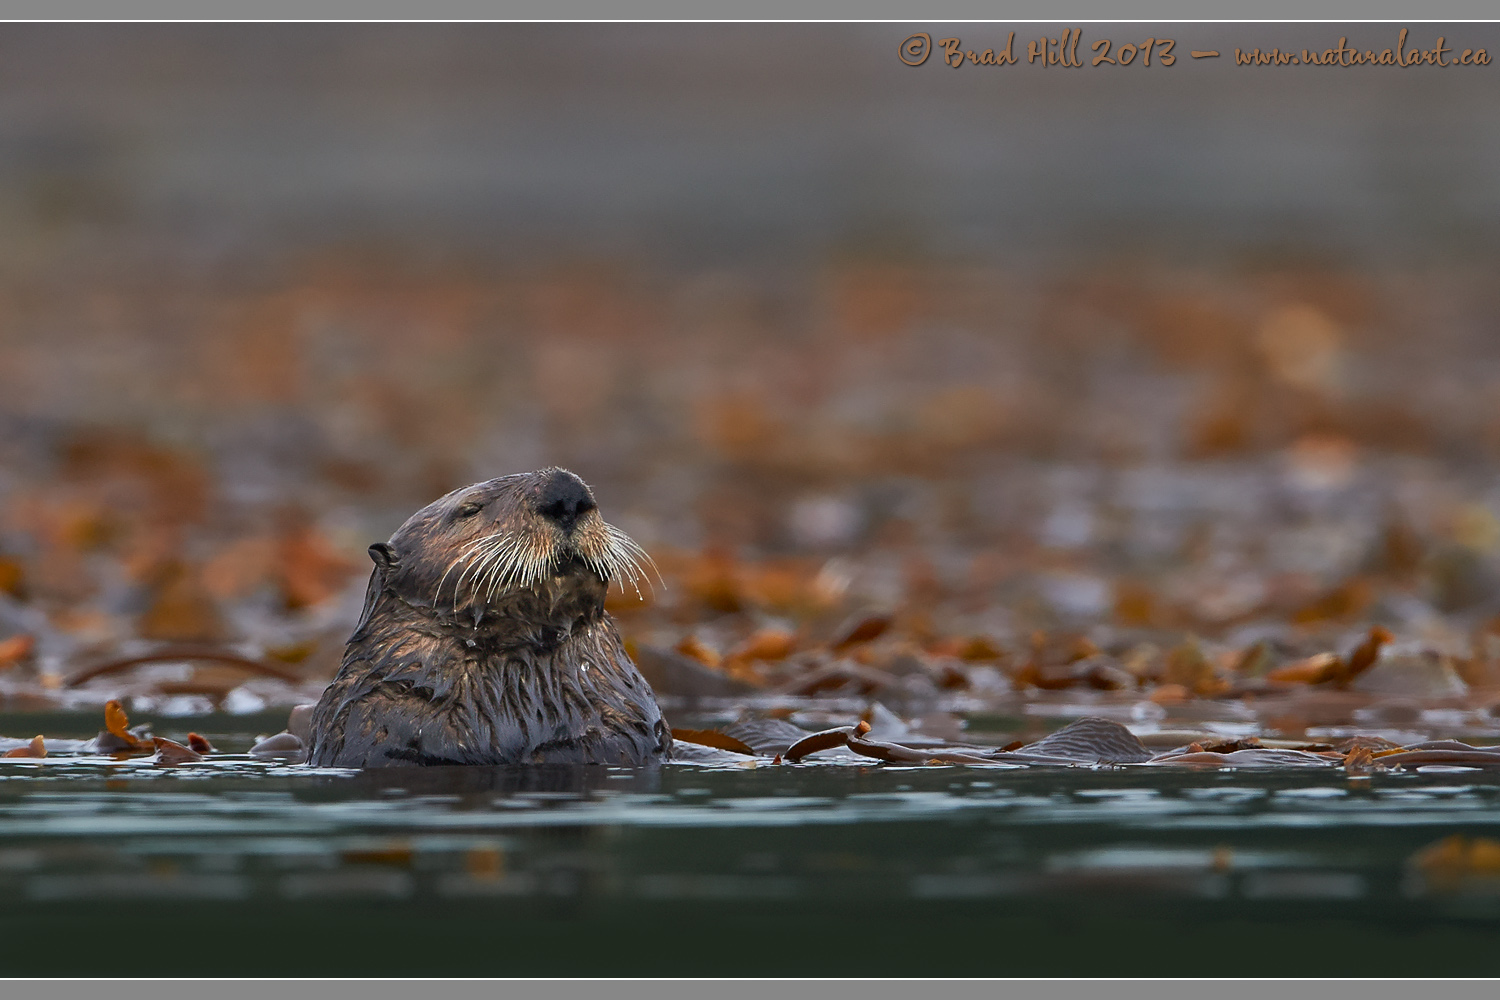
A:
520	562
465	559
510	559
623	560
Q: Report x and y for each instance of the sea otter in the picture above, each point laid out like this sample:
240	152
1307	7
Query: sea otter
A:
484	639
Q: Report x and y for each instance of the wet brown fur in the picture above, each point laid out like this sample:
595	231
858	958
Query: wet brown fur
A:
464	657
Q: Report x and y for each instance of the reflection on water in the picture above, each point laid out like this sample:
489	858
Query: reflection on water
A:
88	838
96	828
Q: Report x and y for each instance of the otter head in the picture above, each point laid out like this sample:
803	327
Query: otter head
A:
507	541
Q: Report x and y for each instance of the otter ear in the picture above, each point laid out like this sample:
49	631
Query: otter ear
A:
386	560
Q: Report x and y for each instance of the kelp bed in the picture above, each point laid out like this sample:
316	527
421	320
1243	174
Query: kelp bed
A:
1235	516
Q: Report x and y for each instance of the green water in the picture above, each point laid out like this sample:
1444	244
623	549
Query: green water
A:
241	866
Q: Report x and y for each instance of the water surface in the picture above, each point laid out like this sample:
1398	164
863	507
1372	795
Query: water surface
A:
240	865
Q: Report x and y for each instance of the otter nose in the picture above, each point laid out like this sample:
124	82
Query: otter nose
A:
564	499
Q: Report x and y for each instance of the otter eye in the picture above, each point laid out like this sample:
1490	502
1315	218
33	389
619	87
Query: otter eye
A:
469	509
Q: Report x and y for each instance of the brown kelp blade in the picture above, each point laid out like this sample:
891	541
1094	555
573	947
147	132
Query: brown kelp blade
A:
170	752
827	739
712	738
36	748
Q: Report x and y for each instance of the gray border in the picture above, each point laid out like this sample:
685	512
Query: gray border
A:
760	10
689	989
748	10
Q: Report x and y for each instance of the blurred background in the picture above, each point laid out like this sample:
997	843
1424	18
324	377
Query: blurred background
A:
1012	368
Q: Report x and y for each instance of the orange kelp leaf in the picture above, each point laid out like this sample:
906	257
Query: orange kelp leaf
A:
1167	694
766	644
945	647
1326	668
12	577
712	738
694	648
825	740
978	648
1364	655
714	580
15	649
1359	761
841	674
1081	647
200	744
1030	675
1312	670
972	649
745	672
1186	665
170	752
116	721
1387	751
1135	604
863	630
36	748
312	570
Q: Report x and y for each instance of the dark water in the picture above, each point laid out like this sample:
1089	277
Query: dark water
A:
240	866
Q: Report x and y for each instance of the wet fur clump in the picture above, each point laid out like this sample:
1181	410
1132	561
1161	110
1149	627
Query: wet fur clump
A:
484	639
